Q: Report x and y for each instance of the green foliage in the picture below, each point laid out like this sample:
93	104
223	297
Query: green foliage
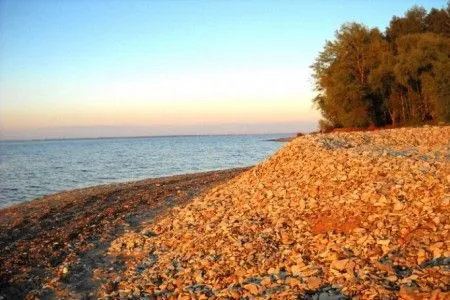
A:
365	77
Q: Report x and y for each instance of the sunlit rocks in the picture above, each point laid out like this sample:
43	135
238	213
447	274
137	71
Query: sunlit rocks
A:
355	214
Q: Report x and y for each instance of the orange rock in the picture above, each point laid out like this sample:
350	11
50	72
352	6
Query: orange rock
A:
286	238
293	282
408	294
440	295
343	265
313	283
252	288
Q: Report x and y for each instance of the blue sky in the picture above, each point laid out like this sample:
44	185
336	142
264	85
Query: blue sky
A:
167	64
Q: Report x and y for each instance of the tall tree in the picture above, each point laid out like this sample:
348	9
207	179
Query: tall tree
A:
365	77
412	22
438	21
341	72
422	60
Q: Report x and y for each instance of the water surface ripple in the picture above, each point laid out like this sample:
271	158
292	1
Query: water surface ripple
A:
31	169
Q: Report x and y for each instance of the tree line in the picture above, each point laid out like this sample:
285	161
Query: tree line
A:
401	76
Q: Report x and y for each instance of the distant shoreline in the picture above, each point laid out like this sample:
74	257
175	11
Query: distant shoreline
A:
282	140
138	137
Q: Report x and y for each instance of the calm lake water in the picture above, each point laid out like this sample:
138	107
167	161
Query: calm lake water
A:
31	169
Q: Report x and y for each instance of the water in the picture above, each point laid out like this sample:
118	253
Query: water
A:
31	169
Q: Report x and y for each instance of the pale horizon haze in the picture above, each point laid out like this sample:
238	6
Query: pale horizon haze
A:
102	68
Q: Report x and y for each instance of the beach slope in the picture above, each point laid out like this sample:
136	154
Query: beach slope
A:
339	215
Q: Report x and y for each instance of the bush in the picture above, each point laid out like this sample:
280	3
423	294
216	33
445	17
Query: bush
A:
325	126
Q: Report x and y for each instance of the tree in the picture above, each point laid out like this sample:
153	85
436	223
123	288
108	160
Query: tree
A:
438	21
422	61
341	72
383	81
412	22
364	77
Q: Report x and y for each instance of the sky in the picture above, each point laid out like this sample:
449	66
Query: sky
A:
128	68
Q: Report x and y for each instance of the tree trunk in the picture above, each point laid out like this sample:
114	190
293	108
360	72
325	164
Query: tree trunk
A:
403	107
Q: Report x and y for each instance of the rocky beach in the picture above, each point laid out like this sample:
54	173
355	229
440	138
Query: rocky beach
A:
67	235
343	215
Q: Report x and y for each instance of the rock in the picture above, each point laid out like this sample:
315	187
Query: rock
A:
266	281
309	271
402	271
343	178
293	282
436	249
301	204
392	278
252	288
382	201
111	286
325	293
408	294
343	265
148	233
421	256
398	206
383	242
296	270
286	238
436	262
313	282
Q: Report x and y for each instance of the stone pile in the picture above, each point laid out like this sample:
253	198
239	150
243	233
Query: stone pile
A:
341	215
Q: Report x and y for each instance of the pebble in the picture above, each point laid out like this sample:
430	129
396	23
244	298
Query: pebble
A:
342	265
313	283
392	278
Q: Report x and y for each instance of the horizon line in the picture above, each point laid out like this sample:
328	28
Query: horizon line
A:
138	136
